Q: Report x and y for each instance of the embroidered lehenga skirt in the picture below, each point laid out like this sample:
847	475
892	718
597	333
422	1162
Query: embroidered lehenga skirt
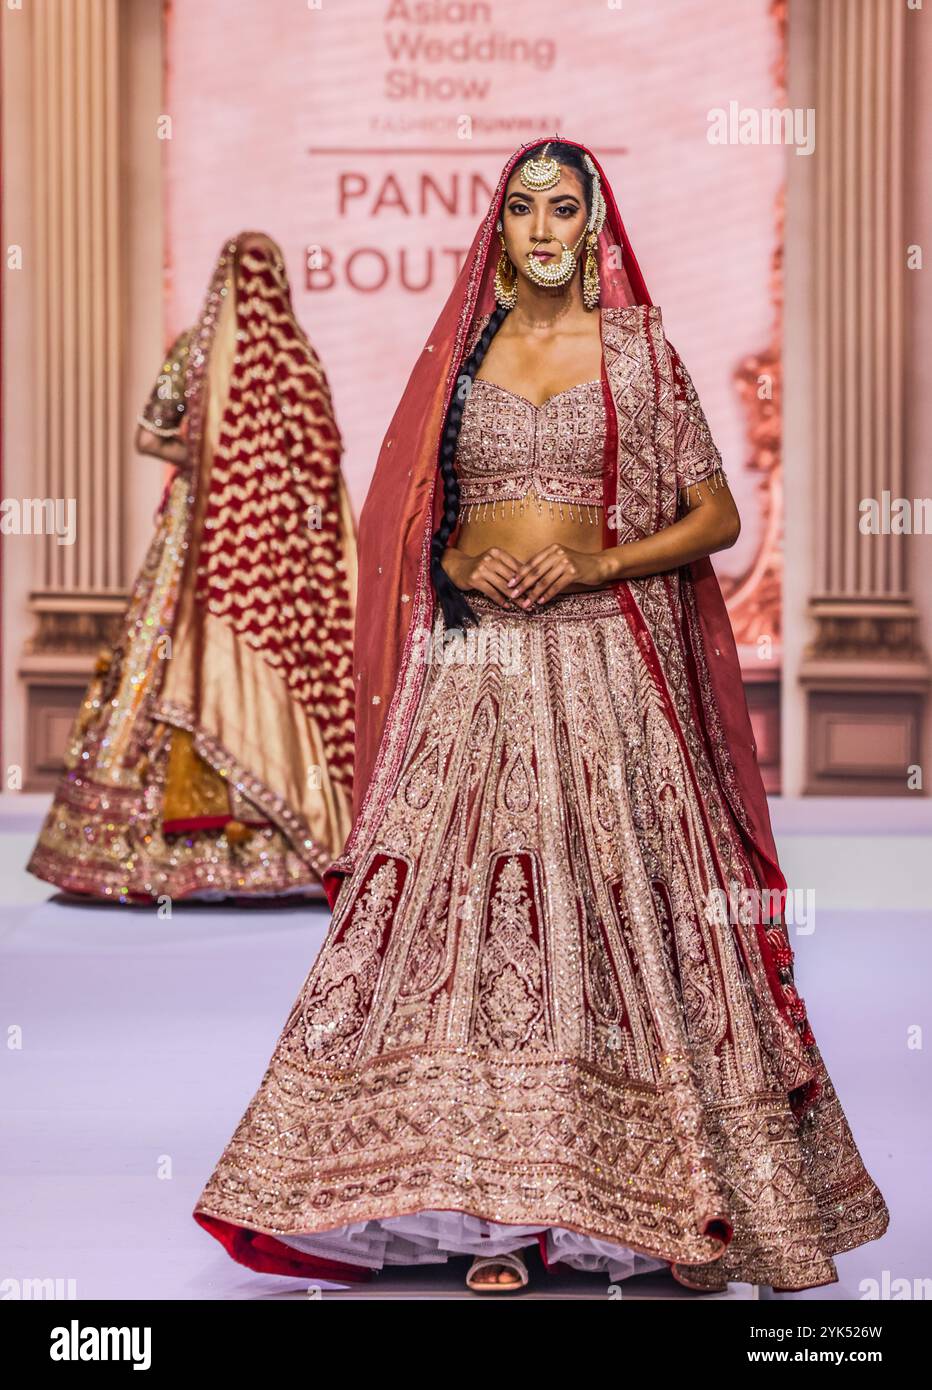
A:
138	814
524	1025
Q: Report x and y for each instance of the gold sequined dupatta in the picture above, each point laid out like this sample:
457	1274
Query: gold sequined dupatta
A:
260	675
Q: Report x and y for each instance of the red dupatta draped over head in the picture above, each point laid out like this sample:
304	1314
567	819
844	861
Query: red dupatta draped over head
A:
680	617
404	497
399	508
261	673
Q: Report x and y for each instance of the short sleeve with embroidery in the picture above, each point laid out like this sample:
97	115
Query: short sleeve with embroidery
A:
697	457
164	410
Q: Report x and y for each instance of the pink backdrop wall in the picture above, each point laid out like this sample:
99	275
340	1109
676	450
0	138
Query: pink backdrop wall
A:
341	127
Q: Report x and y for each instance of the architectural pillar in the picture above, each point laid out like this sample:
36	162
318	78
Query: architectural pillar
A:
865	674
86	152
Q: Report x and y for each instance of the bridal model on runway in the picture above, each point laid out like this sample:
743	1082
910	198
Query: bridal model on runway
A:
212	756
527	1024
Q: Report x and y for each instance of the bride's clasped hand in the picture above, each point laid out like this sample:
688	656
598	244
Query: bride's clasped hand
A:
711	523
555	569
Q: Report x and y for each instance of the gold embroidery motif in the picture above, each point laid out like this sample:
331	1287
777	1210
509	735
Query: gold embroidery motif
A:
509	1007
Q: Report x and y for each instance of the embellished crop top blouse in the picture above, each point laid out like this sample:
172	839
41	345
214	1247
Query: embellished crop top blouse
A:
507	445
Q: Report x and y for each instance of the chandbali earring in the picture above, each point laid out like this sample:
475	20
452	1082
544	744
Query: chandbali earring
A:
506	277
591	284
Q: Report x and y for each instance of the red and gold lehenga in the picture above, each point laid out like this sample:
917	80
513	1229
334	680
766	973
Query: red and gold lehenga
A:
212	755
525	1024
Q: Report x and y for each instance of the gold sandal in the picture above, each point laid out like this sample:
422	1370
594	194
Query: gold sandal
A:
512	1261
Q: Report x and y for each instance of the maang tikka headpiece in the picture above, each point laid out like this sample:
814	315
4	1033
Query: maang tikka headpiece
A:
538	175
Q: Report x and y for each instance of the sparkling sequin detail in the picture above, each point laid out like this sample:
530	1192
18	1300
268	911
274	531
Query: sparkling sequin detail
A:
508	447
164	411
103	832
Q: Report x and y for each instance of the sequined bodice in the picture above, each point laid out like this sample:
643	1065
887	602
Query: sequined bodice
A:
508	445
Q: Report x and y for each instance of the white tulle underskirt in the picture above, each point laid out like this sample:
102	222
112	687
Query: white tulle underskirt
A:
431	1237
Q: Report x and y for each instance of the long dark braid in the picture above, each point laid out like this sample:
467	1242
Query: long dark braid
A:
456	610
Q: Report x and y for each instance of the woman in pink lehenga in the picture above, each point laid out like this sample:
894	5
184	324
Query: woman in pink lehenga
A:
212	756
530	1021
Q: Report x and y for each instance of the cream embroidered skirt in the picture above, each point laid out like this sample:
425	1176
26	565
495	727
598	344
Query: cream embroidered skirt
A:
524	1017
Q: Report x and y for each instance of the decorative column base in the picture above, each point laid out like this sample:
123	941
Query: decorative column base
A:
56	668
867	681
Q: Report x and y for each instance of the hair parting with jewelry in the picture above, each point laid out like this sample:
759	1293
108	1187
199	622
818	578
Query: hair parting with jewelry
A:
539	168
